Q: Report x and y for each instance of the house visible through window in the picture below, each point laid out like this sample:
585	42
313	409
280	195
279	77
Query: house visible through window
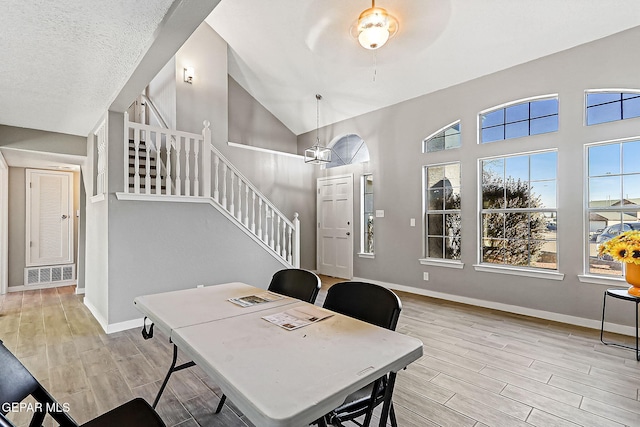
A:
518	213
613	172
522	119
367	214
442	211
444	139
605	107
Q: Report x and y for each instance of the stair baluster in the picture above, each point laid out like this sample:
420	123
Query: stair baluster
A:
187	160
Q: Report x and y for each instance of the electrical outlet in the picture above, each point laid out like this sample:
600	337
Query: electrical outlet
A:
425	275
200	286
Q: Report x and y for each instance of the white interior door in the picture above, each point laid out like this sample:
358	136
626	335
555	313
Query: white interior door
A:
49	227
335	226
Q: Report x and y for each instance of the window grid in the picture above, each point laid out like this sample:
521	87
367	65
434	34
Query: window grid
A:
518	225
601	112
613	189
500	130
442	222
446	138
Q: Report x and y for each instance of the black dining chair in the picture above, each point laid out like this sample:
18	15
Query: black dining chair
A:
17	383
381	307
295	283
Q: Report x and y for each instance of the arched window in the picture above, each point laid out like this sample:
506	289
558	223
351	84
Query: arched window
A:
348	149
526	118
609	106
444	139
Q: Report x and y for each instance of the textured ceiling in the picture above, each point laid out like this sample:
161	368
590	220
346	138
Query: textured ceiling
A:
64	61
283	52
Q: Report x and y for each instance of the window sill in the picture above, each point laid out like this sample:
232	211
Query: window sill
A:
97	198
436	262
367	255
538	274
600	280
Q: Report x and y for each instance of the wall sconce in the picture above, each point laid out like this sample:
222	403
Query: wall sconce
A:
189	73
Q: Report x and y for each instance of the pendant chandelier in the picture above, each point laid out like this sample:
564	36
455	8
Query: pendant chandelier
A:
374	28
317	154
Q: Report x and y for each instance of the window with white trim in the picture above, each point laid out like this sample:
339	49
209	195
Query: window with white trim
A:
609	106
444	139
518	212
442	220
521	119
613	188
366	214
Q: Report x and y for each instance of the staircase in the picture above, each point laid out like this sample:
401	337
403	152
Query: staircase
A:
139	157
170	165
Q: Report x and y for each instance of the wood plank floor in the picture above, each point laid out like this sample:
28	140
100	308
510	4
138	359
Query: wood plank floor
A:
480	367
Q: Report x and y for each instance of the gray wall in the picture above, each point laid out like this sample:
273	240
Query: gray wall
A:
394	136
252	124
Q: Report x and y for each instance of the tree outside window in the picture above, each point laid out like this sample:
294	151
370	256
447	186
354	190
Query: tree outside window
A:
518	214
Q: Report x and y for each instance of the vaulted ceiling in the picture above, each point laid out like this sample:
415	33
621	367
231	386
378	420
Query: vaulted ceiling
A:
65	61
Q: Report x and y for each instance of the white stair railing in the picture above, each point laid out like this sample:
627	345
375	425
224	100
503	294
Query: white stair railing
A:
185	162
190	165
234	193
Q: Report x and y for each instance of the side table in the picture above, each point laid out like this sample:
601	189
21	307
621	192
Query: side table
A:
623	295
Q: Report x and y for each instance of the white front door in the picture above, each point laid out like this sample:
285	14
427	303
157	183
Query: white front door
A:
335	226
49	227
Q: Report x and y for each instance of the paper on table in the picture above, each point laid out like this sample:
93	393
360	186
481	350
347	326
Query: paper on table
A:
295	318
250	300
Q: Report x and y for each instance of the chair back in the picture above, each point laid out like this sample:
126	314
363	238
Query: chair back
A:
16	382
365	301
4	422
296	283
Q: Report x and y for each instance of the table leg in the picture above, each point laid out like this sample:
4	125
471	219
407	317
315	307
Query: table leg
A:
173	368
637	355
604	302
386	406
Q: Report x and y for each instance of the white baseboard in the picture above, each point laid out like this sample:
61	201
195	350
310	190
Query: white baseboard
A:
79	291
540	314
113	327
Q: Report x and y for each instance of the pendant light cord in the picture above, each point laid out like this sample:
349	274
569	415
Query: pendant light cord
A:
318	98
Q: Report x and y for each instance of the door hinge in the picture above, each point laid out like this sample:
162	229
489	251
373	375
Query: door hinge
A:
318	191
30	244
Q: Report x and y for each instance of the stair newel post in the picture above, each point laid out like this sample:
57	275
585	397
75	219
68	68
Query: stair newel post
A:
216	165
126	152
187	171
157	142
147	164
232	206
253	213
178	161
260	218
196	168
206	162
224	185
136	161
239	213
296	241
168	151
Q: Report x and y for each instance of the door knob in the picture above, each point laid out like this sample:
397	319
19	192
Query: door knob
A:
348	233
64	217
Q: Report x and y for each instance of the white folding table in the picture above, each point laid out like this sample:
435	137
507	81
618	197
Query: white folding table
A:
278	377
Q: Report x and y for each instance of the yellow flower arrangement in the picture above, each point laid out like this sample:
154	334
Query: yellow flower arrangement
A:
624	247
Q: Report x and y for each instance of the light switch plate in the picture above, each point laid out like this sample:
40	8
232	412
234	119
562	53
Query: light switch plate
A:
412	222
425	275
379	213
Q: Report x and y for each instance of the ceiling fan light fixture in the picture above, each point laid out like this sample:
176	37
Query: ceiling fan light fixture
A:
375	27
